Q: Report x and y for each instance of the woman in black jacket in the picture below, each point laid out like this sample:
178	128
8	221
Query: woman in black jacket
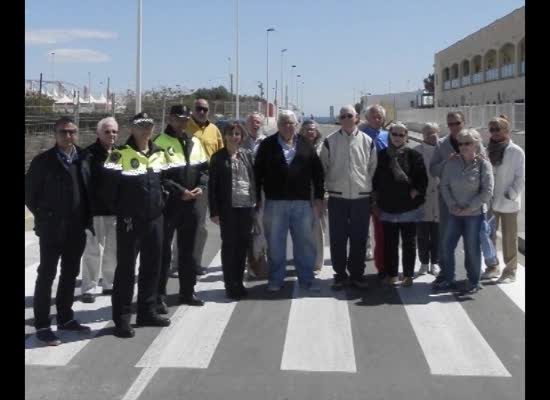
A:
399	183
232	198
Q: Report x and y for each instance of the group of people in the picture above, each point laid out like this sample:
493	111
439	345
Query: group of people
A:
151	197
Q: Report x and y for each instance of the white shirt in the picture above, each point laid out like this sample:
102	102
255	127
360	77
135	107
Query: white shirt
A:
510	179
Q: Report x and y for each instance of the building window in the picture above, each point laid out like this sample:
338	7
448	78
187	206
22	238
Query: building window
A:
455	83
446	85
477	78
466	80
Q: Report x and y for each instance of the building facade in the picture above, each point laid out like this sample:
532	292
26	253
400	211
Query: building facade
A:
486	67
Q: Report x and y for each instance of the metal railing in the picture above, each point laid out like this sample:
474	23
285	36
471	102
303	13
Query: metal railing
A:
476	116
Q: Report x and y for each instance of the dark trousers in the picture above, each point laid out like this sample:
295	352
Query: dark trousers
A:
236	228
378	244
186	224
391	247
348	219
144	237
428	242
69	249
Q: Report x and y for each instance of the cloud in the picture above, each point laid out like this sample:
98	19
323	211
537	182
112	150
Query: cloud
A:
53	36
79	55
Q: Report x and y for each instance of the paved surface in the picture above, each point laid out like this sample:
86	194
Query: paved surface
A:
384	343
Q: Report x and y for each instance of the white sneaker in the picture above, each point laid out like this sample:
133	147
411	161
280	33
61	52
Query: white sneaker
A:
491	272
435	270
424	269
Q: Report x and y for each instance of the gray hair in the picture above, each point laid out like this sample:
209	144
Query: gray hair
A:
255	114
376	107
286	116
430	126
106	121
398	124
471	134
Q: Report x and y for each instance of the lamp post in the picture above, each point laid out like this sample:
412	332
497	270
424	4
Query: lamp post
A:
267	75
282	85
291	78
297	104
138	58
53	65
236	59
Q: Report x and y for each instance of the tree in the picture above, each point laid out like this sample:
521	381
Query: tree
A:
38	104
429	83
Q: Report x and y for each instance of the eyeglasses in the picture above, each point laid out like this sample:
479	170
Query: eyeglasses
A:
401	135
449	124
346	116
67	131
200	108
110	131
492	130
465	143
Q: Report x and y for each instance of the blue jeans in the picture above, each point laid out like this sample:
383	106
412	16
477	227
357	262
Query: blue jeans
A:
280	216
487	246
468	227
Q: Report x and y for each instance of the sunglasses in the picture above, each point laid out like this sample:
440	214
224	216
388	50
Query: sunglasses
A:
494	130
67	131
453	123
401	135
465	143
199	109
346	116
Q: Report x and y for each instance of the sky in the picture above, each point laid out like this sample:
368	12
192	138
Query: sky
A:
341	49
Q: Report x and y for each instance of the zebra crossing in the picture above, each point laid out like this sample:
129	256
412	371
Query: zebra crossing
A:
296	332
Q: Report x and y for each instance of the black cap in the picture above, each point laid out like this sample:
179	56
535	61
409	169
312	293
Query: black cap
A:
180	111
142	119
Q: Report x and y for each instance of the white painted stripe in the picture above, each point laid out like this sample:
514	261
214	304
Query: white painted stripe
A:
449	339
318	335
193	336
516	290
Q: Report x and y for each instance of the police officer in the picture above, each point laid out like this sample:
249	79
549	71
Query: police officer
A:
134	188
186	180
56	193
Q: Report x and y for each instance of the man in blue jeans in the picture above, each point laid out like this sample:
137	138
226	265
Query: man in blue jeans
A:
286	167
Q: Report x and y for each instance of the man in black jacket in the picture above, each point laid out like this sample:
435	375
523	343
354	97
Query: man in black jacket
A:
56	193
99	256
286	167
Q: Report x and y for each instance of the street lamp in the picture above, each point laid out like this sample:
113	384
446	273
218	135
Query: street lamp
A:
53	65
291	76
267	73
138	58
282	85
236	59
297	76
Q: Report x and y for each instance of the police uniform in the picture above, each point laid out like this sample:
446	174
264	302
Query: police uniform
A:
187	170
136	193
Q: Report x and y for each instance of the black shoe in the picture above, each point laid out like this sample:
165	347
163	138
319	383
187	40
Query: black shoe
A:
124	330
47	337
339	283
87	298
74	326
162	307
107	292
382	275
232	294
191	300
242	291
439	278
152	320
359	283
200	271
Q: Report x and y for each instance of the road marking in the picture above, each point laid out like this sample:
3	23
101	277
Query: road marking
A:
516	290
318	335
449	339
193	336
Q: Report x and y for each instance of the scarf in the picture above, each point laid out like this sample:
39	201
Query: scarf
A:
454	143
496	151
394	153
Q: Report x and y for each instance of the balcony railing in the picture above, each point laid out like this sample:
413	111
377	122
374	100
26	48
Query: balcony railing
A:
466	80
507	71
491	74
446	85
455	83
477	78
522	68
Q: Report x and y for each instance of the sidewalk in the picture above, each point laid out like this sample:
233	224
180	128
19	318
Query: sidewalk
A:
417	137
